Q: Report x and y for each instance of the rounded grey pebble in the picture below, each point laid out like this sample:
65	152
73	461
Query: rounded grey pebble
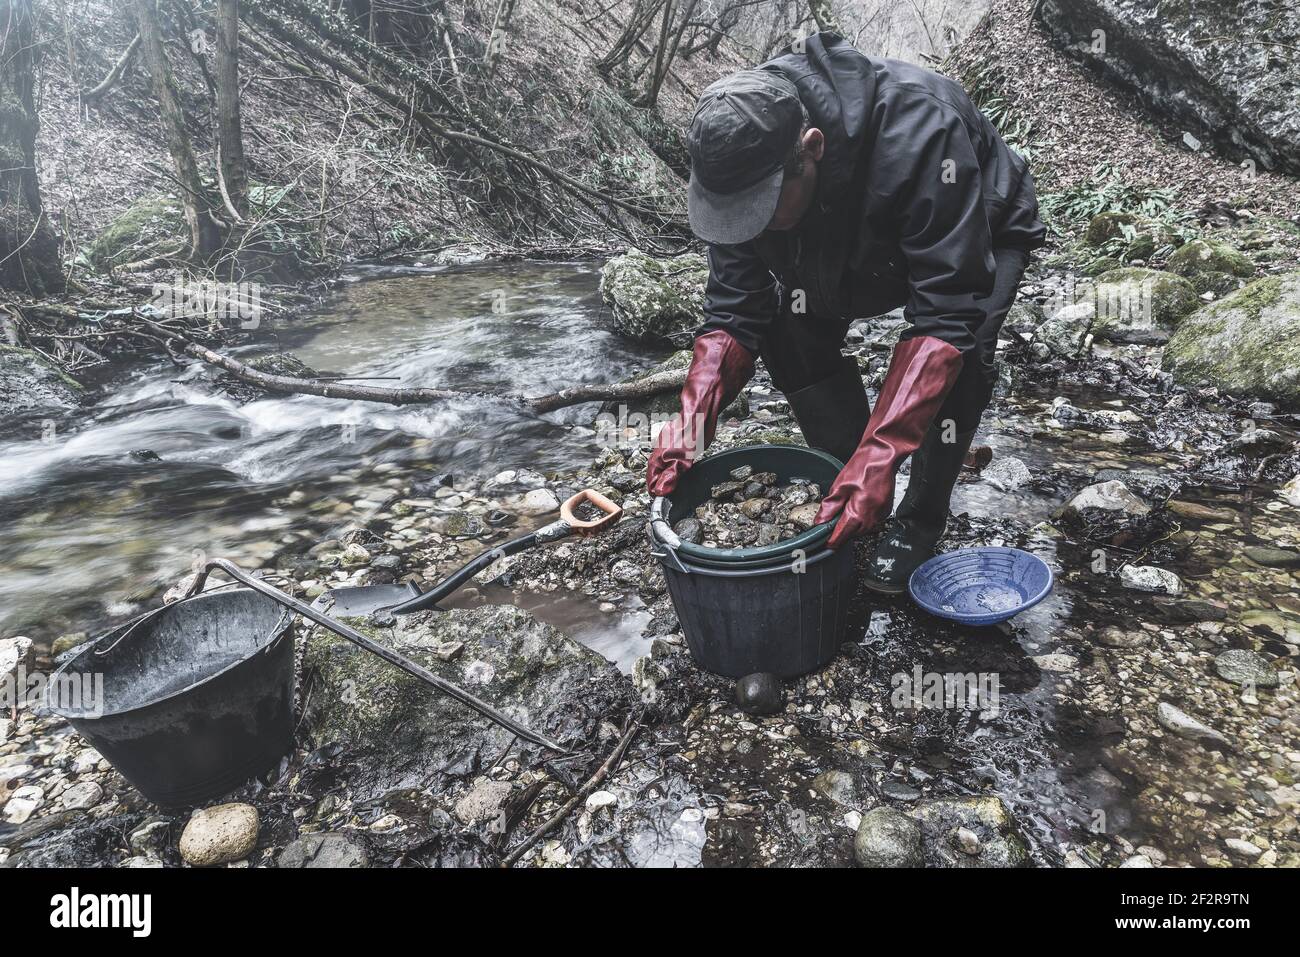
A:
760	693
887	838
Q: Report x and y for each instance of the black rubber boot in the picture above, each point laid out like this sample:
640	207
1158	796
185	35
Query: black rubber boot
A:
833	413
918	524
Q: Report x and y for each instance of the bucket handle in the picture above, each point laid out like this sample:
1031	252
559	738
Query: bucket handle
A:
392	657
661	533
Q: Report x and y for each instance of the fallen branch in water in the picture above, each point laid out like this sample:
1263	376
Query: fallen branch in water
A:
651	385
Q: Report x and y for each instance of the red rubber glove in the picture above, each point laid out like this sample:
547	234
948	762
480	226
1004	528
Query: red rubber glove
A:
921	372
718	372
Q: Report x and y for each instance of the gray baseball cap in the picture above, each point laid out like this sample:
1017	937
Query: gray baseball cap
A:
743	129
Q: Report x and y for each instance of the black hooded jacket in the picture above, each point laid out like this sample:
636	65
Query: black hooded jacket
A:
915	190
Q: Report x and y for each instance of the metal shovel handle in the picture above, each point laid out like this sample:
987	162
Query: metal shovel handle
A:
354	636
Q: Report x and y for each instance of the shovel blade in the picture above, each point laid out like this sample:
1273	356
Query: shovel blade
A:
359	601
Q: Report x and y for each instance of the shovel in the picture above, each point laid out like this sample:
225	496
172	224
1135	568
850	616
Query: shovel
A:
362	601
380	602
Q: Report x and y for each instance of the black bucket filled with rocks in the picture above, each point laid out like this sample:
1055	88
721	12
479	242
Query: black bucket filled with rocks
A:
753	583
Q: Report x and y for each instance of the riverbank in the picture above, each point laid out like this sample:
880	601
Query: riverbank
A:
1123	734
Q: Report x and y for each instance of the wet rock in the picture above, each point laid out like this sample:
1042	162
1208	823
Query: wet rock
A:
83	794
887	838
285	364
1150	578
150	839
1206	66
538	501
328	849
1141	305
1243	667
1065	332
968	842
1243	849
1201	513
1290	492
1007	473
401	734
219	835
760	693
1058	663
1190	610
1211	266
74	639
626	572
483	801
986	817
14	652
655	300
1185	726
1113	637
837	786
689	530
22	804
1272	557
29	385
1112	496
899	790
1247	343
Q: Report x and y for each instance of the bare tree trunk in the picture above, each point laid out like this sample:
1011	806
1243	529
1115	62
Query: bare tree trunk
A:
669	41
115	74
825	16
497	39
638	21
234	172
29	251
205	237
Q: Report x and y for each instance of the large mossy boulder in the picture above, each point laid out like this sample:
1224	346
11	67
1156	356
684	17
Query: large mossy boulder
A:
1211	266
29	385
400	733
1129	235
152	226
973	831
1247	343
655	300
1224	70
1141	305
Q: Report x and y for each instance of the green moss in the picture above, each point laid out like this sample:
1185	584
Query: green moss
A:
1102	264
1135	304
1247	343
1104	227
1257	296
1202	256
150	227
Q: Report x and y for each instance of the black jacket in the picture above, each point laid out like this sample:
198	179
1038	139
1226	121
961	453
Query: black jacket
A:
915	190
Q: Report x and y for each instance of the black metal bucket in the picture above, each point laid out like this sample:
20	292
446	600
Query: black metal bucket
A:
197	695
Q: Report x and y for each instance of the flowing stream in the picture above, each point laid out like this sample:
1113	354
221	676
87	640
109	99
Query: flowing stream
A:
117	502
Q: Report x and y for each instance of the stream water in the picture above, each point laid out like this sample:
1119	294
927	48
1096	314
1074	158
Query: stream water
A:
116	503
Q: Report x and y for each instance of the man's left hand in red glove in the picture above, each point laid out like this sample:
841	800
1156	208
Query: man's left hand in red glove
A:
921	372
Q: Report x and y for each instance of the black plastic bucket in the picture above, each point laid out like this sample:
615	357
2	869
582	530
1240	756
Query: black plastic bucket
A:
788	620
781	609
197	696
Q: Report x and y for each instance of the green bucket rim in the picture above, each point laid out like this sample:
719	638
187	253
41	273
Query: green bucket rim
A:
755	556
